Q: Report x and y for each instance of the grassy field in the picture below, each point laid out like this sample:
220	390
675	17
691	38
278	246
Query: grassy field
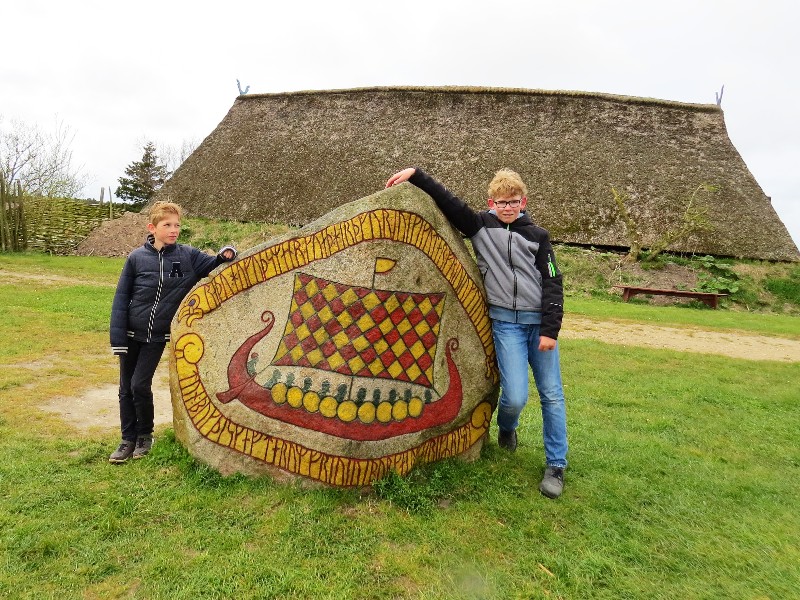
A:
684	481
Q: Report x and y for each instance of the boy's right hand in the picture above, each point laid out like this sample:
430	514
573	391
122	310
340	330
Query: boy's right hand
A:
400	176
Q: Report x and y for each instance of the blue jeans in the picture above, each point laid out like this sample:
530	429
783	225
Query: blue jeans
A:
517	346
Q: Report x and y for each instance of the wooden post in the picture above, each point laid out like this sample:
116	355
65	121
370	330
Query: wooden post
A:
3	241
99	214
17	220
21	230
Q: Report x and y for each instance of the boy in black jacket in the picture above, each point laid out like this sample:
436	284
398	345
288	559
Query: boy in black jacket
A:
525	295
155	279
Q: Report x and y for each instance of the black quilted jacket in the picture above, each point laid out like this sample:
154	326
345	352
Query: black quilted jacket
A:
151	287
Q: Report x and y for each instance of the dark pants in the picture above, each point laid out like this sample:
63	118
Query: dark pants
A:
136	370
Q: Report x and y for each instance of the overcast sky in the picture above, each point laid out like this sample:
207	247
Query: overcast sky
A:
120	73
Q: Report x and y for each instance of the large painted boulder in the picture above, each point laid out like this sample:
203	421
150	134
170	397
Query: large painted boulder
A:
357	345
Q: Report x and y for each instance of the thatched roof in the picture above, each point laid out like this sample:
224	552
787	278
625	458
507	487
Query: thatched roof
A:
293	157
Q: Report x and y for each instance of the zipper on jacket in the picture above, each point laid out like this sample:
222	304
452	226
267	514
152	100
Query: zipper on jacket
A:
511	264
158	294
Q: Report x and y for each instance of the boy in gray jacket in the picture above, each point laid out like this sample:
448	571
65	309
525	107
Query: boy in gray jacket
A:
525	296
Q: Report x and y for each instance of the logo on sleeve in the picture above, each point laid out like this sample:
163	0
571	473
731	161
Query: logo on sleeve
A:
176	270
551	265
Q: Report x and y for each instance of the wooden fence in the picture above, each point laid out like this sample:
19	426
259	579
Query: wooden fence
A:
13	233
54	225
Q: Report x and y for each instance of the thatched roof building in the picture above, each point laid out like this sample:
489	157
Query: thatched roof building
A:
292	157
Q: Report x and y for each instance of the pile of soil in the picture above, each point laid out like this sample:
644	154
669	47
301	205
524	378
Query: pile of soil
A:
116	237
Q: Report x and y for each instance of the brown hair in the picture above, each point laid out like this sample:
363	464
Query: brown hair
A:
162	208
507	183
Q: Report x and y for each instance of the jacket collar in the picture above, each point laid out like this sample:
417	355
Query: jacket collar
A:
150	241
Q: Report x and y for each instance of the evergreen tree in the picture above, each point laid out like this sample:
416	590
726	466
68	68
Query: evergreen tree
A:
144	178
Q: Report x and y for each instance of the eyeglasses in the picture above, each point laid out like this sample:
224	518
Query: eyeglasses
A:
505	203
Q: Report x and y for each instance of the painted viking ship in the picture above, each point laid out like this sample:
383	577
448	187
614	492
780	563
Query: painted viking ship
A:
366	357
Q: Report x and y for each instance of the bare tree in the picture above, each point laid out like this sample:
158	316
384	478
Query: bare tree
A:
632	231
172	156
41	162
694	220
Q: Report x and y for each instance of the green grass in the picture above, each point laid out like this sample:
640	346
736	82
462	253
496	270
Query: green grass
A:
786	288
83	269
683	481
696	317
213	235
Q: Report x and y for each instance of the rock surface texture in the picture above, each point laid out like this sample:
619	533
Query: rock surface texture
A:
357	345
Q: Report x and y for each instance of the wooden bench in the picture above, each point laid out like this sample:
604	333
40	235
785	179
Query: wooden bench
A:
710	298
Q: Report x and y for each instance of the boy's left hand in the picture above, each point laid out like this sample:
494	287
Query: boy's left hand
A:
546	343
400	177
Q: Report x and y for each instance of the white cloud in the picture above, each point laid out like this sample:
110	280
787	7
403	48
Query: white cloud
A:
118	73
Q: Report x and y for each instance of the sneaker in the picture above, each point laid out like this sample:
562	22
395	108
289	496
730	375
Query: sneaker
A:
143	445
123	453
507	440
553	482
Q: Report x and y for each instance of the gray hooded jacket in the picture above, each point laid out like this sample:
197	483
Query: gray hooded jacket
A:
516	260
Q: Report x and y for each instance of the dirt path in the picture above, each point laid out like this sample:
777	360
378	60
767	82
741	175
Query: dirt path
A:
735	345
97	409
49	279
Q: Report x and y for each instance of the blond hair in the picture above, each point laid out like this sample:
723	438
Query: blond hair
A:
162	208
507	183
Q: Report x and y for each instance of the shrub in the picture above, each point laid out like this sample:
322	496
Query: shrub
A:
786	288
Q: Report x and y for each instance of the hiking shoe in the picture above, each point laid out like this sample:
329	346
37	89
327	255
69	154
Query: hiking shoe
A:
143	445
123	453
553	482
507	440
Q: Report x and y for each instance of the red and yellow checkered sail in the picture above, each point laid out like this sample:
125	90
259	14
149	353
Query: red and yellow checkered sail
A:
356	333
360	331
